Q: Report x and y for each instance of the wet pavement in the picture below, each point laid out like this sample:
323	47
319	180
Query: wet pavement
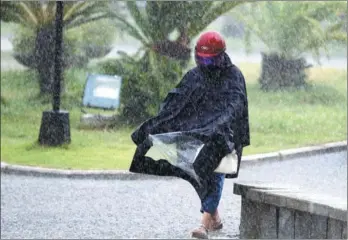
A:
34	207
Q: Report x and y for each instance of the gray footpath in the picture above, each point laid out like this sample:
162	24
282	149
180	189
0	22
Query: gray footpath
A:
41	207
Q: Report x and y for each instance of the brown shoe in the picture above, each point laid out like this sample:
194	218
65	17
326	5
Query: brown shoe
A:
200	233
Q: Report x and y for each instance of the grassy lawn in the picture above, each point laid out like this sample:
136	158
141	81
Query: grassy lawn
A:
278	121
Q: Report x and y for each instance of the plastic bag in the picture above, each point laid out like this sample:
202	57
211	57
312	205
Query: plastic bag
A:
181	150
178	149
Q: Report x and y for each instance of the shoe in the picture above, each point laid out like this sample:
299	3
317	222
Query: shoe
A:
200	233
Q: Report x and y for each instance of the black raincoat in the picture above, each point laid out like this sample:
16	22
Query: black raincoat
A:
211	107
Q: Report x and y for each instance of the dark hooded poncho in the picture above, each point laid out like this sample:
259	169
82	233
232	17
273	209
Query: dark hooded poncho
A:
211	107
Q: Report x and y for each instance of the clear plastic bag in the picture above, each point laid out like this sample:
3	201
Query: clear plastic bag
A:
177	148
181	150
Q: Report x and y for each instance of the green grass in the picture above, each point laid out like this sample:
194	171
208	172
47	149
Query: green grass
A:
20	123
278	121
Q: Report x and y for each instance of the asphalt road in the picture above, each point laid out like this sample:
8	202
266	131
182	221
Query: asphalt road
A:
43	208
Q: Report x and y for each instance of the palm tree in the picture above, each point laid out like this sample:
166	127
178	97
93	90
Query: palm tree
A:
153	24
165	30
289	30
39	16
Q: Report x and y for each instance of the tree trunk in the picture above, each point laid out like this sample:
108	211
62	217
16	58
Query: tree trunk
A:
280	73
44	58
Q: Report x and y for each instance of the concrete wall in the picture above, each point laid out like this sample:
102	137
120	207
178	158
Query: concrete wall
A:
282	212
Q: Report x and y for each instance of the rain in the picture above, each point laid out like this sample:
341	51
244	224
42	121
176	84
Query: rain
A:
113	127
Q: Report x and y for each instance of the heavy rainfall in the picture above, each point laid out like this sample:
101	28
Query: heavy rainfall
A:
174	119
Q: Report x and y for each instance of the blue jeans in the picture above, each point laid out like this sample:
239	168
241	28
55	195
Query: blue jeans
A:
211	202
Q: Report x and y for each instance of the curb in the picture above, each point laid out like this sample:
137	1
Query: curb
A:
290	154
126	175
72	174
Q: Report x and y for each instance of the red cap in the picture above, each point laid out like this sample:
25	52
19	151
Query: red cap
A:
210	44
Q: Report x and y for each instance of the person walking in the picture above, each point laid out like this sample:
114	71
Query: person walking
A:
210	103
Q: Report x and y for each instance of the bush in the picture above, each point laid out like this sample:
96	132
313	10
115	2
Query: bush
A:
143	88
279	72
135	96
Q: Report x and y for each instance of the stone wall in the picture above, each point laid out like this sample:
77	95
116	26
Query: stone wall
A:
284	212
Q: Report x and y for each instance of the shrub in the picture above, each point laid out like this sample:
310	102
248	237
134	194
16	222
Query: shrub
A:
142	89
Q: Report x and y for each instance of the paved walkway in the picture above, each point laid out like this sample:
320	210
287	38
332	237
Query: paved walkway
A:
61	208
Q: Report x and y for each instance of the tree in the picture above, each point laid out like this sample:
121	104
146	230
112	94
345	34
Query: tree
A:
39	17
154	24
165	30
290	30
93	40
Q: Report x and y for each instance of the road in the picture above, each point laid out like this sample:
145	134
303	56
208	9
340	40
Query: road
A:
34	207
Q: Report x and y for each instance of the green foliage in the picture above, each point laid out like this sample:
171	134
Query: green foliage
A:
36	50
160	18
142	89
289	30
279	72
160	63
37	14
93	40
134	97
154	26
293	28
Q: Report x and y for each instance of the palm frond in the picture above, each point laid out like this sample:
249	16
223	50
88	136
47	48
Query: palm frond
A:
29	11
71	11
129	28
213	13
84	10
139	18
11	12
80	21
